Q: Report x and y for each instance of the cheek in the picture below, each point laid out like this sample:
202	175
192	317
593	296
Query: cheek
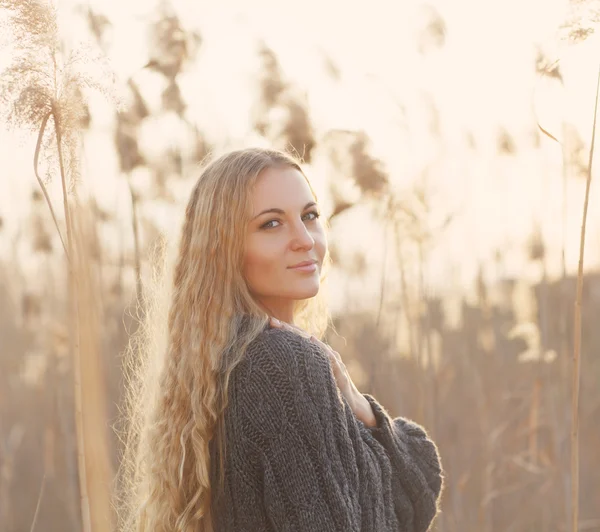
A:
260	265
320	244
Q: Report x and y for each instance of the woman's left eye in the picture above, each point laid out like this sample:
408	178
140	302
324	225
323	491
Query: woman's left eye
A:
315	214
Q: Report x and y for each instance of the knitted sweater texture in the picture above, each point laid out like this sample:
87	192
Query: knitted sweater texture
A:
298	460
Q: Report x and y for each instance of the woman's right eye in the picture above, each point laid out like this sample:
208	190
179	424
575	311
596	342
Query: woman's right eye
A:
268	225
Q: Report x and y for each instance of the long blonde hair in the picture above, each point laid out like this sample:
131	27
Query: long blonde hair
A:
175	405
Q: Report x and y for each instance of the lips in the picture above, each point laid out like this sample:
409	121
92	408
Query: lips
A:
303	263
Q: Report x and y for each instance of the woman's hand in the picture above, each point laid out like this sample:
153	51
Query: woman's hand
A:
359	404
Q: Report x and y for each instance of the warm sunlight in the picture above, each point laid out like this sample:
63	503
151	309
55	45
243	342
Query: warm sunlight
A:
448	143
479	83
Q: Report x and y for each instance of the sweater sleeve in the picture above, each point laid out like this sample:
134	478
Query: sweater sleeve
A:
300	460
415	461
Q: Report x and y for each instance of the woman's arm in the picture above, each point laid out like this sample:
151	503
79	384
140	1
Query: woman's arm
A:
296	446
414	457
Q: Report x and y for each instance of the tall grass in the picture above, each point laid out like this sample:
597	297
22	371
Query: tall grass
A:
454	364
577	331
41	88
578	31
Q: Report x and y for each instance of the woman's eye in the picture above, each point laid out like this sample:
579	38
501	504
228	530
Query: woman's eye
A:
314	215
269	224
311	216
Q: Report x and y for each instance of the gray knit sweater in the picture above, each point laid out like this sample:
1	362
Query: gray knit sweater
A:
298	460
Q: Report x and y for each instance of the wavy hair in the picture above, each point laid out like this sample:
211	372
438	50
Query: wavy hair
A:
179	368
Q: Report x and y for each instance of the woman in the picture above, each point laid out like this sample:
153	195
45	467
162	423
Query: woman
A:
256	425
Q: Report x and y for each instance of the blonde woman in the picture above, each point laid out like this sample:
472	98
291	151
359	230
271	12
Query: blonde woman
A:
256	425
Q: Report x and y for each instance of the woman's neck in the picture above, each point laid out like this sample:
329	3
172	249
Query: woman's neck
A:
282	309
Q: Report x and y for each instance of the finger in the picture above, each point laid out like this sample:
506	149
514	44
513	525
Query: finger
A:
338	361
338	371
337	355
274	322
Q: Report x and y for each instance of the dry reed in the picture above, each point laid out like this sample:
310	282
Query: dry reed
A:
577	332
42	87
579	25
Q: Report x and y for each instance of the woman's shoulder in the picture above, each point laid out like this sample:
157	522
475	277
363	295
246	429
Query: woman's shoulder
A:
279	339
282	351
282	378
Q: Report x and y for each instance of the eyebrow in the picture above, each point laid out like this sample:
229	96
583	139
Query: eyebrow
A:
281	211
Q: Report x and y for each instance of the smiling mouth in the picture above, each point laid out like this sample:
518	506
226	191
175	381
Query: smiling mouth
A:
304	264
308	267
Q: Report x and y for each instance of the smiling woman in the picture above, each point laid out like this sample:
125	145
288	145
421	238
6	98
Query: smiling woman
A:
285	244
255	424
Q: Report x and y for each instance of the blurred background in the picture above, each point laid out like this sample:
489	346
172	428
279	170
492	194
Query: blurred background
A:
455	225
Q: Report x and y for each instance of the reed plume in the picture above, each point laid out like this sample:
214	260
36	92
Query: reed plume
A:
43	90
580	23
281	113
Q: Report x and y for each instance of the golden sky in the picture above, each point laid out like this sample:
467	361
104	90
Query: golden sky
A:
482	79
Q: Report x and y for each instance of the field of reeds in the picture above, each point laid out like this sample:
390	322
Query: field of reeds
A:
455	166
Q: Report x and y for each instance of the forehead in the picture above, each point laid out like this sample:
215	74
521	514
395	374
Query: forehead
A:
280	187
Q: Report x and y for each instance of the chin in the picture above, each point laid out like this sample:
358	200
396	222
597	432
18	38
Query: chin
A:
306	292
291	291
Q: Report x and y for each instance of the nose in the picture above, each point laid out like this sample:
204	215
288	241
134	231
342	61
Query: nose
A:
301	238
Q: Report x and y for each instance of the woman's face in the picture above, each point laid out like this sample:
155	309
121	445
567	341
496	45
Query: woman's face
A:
284	232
